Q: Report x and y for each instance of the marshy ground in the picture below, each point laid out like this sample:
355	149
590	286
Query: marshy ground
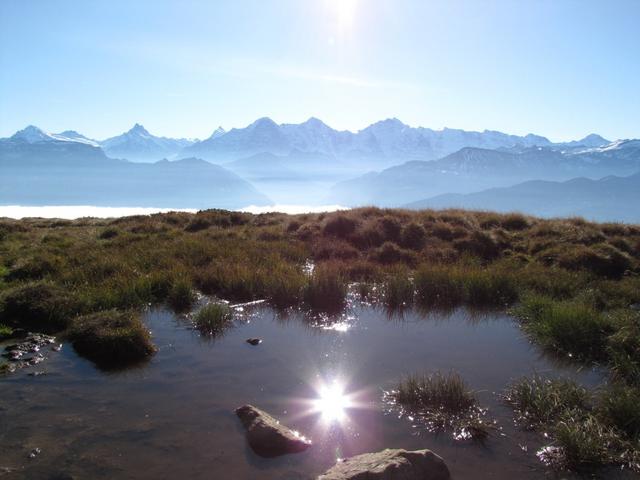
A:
574	286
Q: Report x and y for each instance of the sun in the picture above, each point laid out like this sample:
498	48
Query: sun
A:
344	12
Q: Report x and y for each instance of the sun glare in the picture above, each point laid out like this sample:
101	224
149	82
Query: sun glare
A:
332	402
344	11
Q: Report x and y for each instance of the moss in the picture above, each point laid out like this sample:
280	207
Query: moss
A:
112	339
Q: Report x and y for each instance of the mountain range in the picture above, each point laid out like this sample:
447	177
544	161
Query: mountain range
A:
607	199
383	143
387	164
474	169
57	171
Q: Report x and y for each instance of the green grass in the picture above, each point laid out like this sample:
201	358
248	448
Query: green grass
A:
443	401
585	275
398	291
447	392
181	295
112	339
43	306
573	328
326	291
213	319
620	407
585	431
5	331
585	444
540	401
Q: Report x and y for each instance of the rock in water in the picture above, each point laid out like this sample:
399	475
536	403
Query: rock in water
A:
266	436
254	341
390	464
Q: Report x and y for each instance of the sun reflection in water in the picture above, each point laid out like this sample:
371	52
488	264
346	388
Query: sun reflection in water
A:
332	402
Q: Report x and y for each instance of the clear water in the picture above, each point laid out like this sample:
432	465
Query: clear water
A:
174	416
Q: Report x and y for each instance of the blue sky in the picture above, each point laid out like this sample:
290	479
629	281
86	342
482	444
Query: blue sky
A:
558	68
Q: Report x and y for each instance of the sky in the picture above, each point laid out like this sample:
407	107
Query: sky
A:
559	68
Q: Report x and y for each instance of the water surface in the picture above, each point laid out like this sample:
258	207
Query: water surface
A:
173	417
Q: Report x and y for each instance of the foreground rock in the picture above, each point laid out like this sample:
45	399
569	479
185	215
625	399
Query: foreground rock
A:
390	464
266	436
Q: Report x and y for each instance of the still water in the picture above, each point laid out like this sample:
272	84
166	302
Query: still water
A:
174	416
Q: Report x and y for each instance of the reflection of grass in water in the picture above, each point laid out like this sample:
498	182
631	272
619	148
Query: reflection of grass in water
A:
213	319
443	401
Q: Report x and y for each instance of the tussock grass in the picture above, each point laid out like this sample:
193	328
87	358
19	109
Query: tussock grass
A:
213	319
446	286
620	406
586	431
398	290
444	401
588	272
326	291
5	331
447	392
574	328
112	339
583	444
540	401
40	306
181	295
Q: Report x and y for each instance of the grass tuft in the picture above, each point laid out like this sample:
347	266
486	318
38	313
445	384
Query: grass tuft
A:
112	339
326	291
213	319
539	401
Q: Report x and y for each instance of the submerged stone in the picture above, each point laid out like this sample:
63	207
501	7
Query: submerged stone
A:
266	436
390	464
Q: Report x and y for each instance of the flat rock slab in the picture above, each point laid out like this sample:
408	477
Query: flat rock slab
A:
266	436
396	464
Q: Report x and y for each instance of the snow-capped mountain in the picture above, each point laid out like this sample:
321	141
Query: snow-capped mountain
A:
380	144
33	134
590	141
139	145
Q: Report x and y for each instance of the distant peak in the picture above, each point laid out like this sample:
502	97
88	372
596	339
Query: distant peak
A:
594	140
139	129
263	122
314	122
218	132
31	134
391	123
